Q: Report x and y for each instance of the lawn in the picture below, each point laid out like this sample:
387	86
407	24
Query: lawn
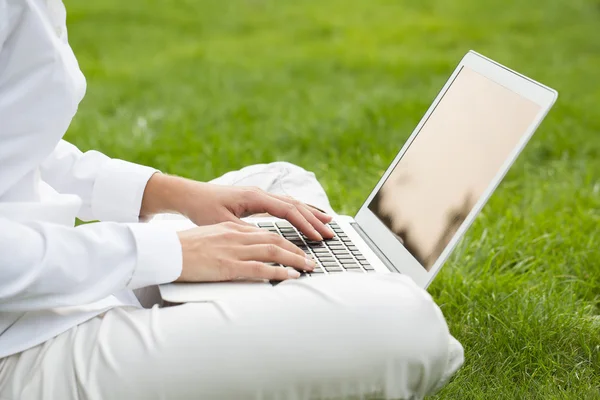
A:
198	88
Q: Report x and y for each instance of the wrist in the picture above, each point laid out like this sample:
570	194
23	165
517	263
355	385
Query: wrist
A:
163	194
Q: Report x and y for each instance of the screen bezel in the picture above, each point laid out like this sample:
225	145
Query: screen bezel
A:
385	240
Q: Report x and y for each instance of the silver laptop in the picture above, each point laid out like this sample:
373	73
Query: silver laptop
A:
433	190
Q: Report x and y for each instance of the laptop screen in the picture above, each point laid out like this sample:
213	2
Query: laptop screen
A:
451	163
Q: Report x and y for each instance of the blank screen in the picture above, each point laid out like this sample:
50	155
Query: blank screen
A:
451	163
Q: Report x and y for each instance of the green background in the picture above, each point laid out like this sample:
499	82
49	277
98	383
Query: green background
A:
198	88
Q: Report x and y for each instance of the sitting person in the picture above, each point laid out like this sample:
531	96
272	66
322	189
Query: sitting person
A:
71	326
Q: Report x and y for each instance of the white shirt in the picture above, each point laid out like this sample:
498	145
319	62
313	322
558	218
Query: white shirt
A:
54	276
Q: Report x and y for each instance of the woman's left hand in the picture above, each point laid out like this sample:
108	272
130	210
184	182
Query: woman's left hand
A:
207	204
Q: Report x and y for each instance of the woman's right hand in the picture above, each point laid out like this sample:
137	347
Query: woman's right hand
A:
228	251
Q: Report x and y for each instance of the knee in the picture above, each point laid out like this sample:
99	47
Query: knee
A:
414	316
411	341
403	316
410	329
418	344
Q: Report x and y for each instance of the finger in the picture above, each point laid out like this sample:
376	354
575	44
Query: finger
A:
260	201
307	213
290	212
257	269
323	229
321	215
275	254
263	237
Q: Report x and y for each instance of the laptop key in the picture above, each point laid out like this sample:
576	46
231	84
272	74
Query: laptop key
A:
344	256
341	252
329	263
353	266
326	259
334	269
339	249
265	224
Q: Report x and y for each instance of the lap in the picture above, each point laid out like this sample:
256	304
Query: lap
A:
326	336
329	337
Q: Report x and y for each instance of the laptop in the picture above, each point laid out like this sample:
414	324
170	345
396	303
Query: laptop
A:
431	193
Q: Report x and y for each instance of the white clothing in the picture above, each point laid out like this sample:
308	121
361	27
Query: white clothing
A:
327	337
54	276
332	336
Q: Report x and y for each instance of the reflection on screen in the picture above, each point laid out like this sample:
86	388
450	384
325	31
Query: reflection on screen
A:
451	162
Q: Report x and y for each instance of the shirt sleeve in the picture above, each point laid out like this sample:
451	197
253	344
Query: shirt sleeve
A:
48	265
111	189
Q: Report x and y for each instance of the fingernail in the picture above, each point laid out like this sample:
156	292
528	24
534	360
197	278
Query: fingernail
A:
292	273
331	232
319	235
310	263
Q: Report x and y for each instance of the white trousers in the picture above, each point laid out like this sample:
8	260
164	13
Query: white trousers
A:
326	337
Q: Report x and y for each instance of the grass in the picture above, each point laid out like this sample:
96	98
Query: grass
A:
198	88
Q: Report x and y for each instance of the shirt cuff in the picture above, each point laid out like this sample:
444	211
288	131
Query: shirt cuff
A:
159	256
118	191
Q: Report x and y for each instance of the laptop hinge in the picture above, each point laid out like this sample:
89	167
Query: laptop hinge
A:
373	247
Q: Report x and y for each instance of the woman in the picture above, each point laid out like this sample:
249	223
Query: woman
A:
70	324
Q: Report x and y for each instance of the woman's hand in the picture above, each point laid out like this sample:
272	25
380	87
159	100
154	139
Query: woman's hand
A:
229	250
207	204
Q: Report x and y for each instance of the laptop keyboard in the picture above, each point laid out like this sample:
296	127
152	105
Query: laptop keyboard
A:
332	256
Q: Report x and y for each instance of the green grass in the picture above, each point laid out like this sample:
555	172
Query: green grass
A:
198	88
